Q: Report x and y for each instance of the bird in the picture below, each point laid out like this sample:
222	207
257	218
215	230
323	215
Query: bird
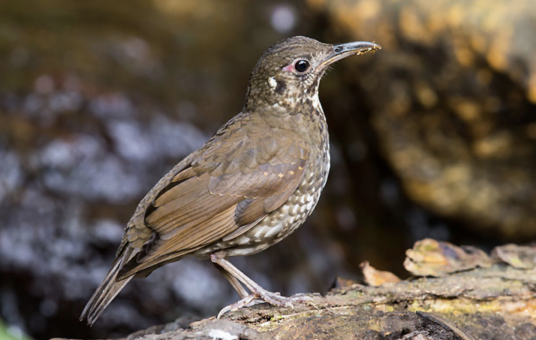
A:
253	183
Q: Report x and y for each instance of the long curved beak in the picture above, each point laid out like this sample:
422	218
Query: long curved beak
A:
342	51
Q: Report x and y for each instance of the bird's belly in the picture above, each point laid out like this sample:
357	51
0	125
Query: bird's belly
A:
283	221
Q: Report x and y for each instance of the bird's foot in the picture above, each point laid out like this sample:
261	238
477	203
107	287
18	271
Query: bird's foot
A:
248	301
283	301
269	297
257	293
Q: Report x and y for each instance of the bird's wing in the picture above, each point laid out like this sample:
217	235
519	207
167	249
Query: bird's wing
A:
231	183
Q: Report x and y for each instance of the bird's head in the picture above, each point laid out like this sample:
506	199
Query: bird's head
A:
290	71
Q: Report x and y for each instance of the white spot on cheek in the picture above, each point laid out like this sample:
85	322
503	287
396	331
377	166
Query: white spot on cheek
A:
272	82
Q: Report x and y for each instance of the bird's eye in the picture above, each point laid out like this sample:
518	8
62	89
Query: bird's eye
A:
301	66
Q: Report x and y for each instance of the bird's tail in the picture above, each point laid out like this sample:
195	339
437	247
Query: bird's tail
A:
107	291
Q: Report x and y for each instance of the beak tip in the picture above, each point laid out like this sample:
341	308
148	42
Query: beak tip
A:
371	47
374	47
358	47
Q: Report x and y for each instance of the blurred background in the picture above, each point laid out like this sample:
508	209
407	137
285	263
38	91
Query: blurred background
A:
434	136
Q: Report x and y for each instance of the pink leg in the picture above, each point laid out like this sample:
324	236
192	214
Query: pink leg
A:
234	275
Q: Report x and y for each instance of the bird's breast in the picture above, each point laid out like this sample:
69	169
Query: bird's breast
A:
288	217
283	221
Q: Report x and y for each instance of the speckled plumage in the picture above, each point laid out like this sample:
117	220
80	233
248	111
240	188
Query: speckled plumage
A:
251	185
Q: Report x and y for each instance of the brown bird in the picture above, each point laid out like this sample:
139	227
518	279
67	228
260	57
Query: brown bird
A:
251	185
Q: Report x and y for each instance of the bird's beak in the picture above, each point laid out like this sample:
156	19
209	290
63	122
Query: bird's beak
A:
342	51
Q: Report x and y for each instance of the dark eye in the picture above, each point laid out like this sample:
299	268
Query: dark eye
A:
301	65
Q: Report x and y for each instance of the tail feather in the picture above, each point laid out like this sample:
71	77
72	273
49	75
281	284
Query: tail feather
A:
107	291
97	309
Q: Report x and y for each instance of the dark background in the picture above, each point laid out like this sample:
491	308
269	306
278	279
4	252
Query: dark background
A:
434	136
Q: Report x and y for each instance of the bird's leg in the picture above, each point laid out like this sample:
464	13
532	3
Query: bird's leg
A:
246	299
257	291
233	281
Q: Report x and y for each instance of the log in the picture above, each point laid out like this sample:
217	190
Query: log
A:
456	293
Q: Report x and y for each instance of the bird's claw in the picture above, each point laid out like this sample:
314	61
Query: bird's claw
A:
248	301
268	297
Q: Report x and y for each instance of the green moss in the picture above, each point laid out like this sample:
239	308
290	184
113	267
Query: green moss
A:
276	318
389	308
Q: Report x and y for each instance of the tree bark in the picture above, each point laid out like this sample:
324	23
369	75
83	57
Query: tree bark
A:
474	296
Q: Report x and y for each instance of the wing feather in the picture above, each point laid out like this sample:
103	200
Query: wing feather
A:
188	237
227	187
